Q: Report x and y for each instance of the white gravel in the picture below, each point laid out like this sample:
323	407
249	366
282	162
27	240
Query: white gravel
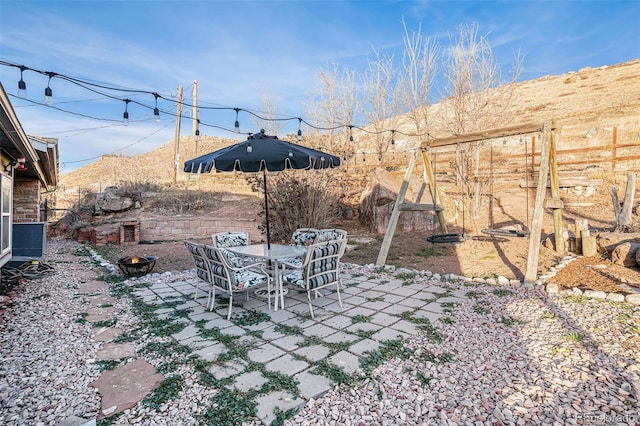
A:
525	358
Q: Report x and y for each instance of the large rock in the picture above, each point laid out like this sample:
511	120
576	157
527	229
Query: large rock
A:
379	196
110	202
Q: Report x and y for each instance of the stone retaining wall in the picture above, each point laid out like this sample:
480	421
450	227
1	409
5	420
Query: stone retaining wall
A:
194	227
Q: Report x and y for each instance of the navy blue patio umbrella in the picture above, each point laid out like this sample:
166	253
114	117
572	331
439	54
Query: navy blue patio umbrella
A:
261	152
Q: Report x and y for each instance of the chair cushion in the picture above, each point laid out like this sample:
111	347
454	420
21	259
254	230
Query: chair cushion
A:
303	237
231	239
327	235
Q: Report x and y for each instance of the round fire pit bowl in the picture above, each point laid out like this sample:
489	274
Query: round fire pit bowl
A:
137	266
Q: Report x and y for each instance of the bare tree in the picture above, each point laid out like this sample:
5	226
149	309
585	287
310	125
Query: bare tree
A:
269	121
477	98
380	104
333	105
419	58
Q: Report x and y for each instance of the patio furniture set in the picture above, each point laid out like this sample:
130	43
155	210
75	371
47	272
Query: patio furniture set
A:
231	265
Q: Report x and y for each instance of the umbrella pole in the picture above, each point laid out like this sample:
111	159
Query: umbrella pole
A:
266	208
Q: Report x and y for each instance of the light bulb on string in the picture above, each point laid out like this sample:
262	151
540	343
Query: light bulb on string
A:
22	86
197	135
393	141
125	116
156	111
350	133
236	125
48	93
299	129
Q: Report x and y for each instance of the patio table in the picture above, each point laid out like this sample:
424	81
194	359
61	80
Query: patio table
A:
271	257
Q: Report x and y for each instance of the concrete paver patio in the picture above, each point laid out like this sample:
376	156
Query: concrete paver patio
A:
289	342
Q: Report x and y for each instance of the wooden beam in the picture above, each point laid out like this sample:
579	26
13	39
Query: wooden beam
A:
413	207
555	194
484	135
395	213
430	179
536	224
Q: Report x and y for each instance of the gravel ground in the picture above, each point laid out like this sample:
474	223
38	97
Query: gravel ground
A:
504	356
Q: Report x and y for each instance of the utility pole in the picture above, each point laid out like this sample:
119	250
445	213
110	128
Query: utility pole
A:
196	124
176	145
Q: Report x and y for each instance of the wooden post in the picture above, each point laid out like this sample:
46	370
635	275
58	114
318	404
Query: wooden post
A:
195	122
581	225
588	243
555	194
395	213
538	209
430	179
176	143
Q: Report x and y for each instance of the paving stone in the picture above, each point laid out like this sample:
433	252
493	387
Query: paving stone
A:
288	343
265	353
431	316
187	332
312	385
228	369
363	326
450	299
110	351
339	322
368	284
234	330
411	302
287	364
366	345
100	300
101	314
371	294
383	319
340	337
393	298
377	305
125	386
92	286
300	322
271	334
211	353
435	289
354	299
313	353
206	315
318	330
405	291
266	405
250	380
388	334
406	327
390	286
433	307
348	362
281	315
352	290
218	322
333	308
299	308
423	295
106	334
397	309
197	342
361	310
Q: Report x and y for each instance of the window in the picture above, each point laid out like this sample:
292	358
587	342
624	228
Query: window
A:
6	202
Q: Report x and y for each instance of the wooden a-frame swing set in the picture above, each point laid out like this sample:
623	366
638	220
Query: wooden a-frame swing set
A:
548	167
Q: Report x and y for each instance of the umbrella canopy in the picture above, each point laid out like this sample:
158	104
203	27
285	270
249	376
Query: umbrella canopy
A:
261	152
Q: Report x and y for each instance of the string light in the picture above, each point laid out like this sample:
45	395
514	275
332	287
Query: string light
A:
197	128
22	86
156	111
48	93
236	125
125	116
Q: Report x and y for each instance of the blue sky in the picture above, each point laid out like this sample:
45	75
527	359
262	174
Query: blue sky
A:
241	51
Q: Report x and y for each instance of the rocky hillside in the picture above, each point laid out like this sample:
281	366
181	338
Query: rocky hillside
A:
585	103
